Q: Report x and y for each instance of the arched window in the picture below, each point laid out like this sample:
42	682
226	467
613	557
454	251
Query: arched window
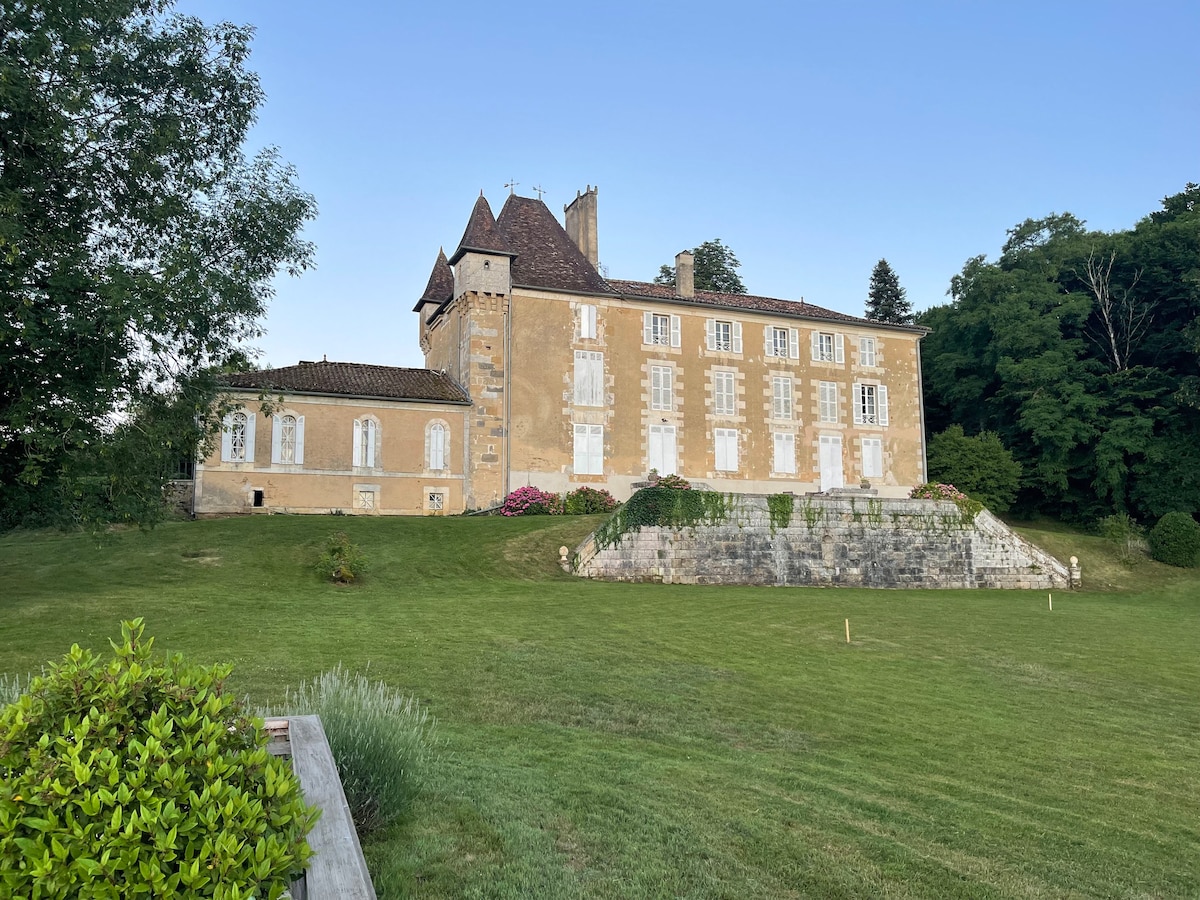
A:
437	455
287	440
366	436
237	437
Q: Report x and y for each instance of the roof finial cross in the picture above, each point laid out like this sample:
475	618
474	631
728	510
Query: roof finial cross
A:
512	186
539	191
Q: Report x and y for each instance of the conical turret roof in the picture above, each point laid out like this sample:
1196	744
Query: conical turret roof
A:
441	283
482	235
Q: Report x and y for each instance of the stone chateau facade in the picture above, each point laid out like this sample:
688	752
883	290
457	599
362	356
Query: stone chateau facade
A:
542	371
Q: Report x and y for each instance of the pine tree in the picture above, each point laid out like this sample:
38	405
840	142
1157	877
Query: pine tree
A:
885	299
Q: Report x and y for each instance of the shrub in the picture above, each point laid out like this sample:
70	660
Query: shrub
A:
969	507
1175	540
142	777
381	740
529	501
585	501
675	482
342	561
981	466
1126	535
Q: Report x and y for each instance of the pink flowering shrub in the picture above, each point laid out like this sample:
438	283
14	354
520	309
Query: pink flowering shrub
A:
932	491
530	501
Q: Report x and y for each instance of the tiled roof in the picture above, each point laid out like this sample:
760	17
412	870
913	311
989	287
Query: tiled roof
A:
354	380
482	233
441	283
734	301
546	255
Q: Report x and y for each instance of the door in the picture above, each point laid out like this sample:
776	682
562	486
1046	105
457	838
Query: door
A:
662	449
830	459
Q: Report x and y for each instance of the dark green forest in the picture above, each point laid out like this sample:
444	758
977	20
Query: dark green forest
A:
1080	349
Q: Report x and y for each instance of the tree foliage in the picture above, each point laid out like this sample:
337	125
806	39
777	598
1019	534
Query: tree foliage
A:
715	269
886	300
137	244
979	466
1080	350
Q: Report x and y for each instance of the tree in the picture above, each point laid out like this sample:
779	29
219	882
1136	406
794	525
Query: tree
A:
979	466
137	242
886	301
716	269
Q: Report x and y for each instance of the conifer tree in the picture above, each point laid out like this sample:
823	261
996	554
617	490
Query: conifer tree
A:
885	299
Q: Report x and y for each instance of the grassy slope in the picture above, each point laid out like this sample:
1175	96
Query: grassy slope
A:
611	740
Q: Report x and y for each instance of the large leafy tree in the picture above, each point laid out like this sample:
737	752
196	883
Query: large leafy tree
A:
886	299
715	269
1080	350
138	243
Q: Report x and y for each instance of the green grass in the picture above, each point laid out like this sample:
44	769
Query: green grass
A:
610	740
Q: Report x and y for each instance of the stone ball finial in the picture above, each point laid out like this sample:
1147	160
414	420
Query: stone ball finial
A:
1074	560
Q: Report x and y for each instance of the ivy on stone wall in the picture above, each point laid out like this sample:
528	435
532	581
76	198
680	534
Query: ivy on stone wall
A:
668	507
780	507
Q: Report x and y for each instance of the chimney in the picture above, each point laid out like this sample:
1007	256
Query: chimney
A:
581	223
685	274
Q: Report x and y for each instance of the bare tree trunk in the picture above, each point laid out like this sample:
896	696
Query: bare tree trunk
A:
1123	320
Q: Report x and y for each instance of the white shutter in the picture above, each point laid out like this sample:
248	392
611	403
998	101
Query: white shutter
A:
647	328
769	341
299	440
437	446
858	403
882	404
737	337
710	334
816	346
654	449
675	340
872	450
839	348
371	430
250	417
670	462
587	321
583	389
722	464
227	438
276	439
731	450
356	452
785	453
794	343
589	450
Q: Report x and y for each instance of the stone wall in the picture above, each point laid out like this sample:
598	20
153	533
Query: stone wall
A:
855	541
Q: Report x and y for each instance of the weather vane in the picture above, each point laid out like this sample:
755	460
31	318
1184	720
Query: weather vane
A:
512	186
539	191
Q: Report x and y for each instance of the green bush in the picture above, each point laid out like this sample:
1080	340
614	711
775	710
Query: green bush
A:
980	466
1175	540
341	561
140	777
381	740
585	501
1126	535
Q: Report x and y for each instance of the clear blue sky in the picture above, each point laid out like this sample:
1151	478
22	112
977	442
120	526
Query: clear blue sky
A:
812	138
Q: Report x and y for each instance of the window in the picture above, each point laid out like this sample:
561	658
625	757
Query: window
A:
828	347
866	351
723	336
872	458
724	398
589	378
661	394
782	342
287	440
827	408
587	321
435	501
662	455
829	459
437	446
589	449
785	453
725	445
237	437
781	398
660	329
870	404
366	435
364	500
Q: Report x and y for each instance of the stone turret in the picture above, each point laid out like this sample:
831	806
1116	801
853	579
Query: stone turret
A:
438	292
483	260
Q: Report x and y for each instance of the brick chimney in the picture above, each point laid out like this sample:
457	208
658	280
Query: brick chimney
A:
685	274
581	223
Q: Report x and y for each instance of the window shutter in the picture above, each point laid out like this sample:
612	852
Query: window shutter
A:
737	337
839	348
710	334
647	328
596	449
769	341
654	448
858	403
881	393
371	428
580	461
675	341
250	417
587	321
794	343
816	345
356	454
785	453
722	463
299	440
669	458
582	388
276	439
227	439
731	449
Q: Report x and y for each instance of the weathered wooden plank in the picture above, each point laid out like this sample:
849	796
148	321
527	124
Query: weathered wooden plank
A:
337	869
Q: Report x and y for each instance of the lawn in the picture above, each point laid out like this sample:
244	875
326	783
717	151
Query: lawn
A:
613	740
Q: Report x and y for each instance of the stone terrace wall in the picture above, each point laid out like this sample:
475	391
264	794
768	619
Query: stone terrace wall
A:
829	540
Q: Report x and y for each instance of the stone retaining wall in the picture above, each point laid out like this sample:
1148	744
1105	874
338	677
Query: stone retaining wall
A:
853	541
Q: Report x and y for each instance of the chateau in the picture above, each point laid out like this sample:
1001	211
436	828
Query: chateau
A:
542	371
